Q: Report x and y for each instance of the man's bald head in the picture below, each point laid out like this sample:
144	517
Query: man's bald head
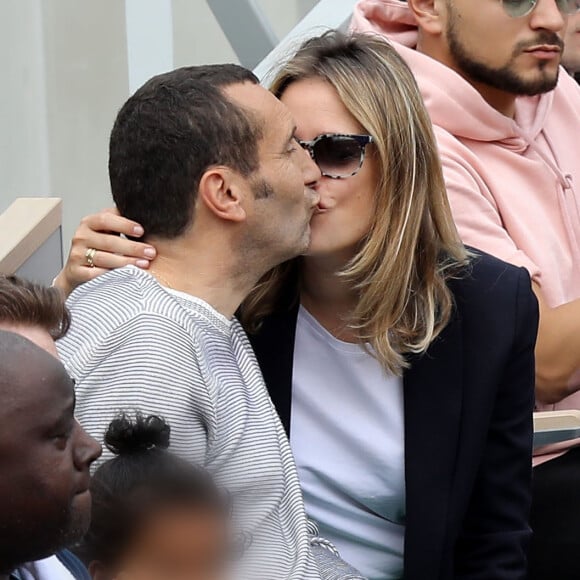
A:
44	455
25	367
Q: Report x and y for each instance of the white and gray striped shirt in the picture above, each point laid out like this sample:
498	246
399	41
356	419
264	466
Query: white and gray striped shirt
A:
135	345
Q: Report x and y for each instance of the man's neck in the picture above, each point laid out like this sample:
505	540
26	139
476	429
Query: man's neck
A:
504	103
206	269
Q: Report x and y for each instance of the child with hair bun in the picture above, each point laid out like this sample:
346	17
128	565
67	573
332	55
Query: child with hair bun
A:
155	516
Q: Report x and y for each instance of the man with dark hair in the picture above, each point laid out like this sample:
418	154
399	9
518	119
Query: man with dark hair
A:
45	454
176	126
206	160
507	122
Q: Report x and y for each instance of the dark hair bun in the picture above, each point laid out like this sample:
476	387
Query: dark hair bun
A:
127	436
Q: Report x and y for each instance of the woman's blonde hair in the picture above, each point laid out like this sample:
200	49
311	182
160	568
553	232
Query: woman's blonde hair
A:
412	247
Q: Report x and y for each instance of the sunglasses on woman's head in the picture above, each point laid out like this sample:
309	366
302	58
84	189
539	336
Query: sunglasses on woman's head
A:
338	156
519	8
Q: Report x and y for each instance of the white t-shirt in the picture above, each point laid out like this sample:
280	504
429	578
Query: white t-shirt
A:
47	569
347	435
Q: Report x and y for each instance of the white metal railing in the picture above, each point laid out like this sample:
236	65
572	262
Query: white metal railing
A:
30	238
327	14
556	426
247	29
255	44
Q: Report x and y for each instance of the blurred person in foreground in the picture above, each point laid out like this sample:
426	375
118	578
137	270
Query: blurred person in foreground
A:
155	516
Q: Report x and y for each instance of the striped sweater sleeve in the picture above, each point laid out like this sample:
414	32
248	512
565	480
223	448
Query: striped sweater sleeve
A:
148	364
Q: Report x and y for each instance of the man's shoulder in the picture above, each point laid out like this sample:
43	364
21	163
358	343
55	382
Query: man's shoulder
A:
116	298
127	307
124	285
458	159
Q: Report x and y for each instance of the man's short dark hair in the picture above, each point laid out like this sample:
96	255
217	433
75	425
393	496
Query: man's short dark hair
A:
168	134
25	303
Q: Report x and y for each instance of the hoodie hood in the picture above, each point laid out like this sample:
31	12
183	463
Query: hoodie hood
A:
453	103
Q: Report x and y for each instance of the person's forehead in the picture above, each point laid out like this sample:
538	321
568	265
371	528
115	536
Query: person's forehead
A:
185	522
318	108
36	386
35	334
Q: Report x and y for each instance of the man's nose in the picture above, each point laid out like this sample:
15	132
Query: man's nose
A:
311	171
87	449
547	16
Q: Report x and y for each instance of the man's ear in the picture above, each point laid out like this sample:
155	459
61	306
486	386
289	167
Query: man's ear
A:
429	15
223	192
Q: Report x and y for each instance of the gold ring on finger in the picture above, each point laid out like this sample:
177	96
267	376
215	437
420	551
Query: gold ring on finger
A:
90	257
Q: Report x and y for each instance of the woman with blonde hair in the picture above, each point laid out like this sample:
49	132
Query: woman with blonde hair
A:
400	363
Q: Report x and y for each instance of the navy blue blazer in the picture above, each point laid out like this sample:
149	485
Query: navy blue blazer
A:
468	405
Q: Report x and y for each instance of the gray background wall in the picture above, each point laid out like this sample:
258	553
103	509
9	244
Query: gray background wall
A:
66	69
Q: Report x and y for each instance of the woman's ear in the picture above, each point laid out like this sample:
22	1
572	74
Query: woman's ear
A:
429	15
223	191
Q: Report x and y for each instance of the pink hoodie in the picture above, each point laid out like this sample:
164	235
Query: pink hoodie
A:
514	185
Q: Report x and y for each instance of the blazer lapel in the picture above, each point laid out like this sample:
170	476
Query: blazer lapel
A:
274	348
433	398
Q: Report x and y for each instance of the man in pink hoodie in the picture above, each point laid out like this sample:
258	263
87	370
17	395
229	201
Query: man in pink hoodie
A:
507	121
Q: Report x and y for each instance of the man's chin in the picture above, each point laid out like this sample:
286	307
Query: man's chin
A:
539	86
305	243
80	517
540	78
534	83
